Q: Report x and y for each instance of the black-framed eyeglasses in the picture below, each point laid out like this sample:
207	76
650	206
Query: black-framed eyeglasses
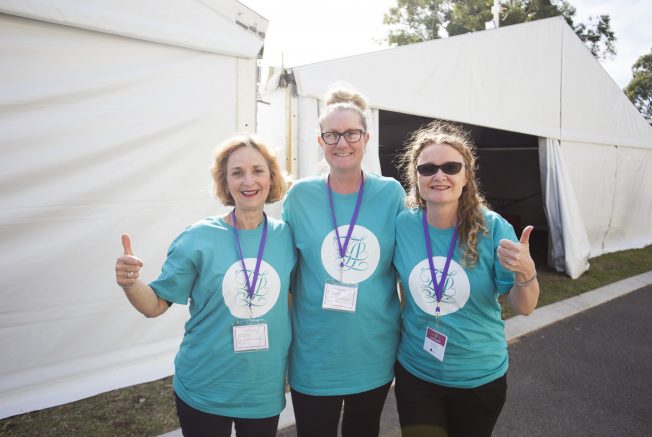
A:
449	168
351	136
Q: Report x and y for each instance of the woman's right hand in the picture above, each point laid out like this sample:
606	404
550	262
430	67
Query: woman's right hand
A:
127	267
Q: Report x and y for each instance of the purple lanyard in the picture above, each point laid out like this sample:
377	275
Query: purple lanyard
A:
353	219
438	286
251	286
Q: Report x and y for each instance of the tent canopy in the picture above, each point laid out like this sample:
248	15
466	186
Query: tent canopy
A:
221	27
536	78
110	114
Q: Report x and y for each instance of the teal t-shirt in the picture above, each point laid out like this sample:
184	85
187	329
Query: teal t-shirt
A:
335	352
476	350
203	268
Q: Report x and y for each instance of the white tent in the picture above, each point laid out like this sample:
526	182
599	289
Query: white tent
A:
109	113
560	145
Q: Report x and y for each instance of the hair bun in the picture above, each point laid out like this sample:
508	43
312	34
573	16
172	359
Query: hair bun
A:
347	96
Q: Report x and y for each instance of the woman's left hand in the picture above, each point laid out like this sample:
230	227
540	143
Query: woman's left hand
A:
515	257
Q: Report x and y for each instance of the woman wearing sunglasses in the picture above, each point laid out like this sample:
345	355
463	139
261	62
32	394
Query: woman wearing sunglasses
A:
345	309
455	257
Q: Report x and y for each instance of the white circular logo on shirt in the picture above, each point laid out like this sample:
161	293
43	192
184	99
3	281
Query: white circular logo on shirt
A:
361	257
456	288
236	296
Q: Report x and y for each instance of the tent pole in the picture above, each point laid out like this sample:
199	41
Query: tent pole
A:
495	9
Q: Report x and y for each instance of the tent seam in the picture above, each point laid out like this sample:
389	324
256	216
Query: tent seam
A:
613	201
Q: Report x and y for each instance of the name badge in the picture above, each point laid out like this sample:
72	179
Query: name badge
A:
339	296
251	337
435	343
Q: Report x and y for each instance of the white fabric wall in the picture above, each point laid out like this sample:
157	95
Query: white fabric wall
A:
570	244
592	171
631	223
371	159
100	135
310	157
613	187
272	122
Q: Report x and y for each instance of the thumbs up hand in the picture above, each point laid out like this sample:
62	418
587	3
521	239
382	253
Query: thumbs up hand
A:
515	257
127	267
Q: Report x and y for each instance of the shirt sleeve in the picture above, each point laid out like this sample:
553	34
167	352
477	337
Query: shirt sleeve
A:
286	208
178	273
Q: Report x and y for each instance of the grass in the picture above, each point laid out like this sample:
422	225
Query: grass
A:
141	410
148	409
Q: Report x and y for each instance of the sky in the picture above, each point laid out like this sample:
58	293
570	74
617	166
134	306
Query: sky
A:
305	31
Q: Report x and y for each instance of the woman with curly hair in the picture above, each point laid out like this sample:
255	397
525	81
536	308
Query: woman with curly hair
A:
455	257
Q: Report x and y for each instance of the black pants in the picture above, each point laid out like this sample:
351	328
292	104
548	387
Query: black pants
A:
318	416
195	423
426	409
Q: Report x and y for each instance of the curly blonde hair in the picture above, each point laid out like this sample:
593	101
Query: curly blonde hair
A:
470	218
279	184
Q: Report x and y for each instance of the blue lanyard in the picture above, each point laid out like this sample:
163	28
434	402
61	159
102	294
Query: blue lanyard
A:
342	248
251	286
438	286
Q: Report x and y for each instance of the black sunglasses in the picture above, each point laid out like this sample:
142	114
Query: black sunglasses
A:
449	168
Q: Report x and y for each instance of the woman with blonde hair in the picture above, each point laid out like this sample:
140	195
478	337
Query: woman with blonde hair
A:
345	308
455	257
233	271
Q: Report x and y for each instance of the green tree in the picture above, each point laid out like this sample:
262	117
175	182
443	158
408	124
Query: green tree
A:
468	16
639	89
421	20
413	21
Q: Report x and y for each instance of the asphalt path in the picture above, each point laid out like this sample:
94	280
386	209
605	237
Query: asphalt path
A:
587	375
